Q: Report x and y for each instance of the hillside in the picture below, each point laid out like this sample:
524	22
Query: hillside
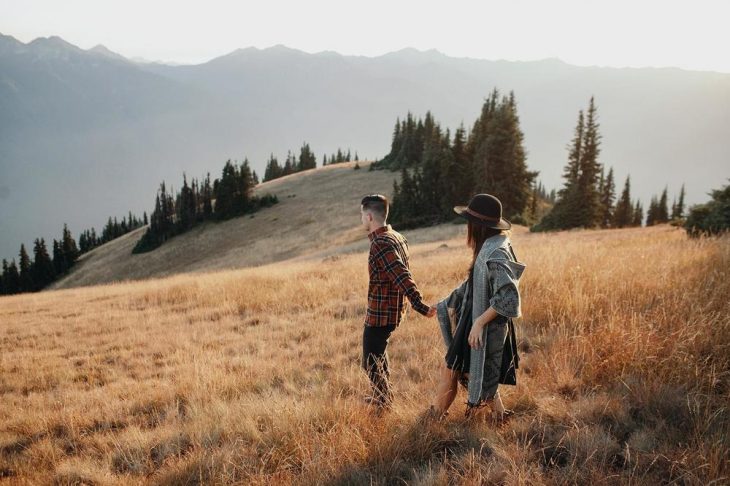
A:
252	376
317	216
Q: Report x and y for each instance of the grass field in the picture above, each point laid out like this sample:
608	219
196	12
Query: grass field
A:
252	376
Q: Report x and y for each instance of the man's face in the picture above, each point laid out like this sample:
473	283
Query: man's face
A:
365	218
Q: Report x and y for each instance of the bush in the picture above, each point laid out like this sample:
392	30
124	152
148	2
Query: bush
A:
711	218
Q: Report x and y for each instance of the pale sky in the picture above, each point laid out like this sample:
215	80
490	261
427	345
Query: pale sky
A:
690	34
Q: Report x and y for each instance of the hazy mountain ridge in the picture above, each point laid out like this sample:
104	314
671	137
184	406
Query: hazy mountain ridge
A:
94	134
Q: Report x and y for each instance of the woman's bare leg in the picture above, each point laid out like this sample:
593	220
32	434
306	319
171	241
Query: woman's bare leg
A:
445	390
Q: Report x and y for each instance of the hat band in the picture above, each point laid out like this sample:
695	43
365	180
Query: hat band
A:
480	216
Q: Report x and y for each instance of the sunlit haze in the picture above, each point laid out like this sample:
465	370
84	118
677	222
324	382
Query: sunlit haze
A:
618	33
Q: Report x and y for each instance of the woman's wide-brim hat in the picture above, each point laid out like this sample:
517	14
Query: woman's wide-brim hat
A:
485	210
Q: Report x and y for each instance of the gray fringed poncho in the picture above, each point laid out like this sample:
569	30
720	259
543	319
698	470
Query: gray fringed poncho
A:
495	283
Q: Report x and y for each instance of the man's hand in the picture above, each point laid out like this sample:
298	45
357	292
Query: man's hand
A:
431	312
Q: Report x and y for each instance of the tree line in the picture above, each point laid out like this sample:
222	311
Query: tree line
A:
588	196
226	197
307	160
439	171
34	274
88	239
339	157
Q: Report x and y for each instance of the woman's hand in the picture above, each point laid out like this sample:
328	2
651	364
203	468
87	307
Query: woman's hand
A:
475	336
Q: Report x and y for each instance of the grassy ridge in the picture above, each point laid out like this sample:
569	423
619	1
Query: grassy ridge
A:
253	375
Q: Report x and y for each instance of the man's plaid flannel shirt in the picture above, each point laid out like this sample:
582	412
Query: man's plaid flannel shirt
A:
390	279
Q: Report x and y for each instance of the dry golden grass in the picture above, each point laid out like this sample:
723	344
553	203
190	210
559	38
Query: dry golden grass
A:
252	376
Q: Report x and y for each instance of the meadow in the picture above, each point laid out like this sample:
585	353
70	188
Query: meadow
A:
252	375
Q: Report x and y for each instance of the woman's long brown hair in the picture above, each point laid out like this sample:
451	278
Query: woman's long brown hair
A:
476	235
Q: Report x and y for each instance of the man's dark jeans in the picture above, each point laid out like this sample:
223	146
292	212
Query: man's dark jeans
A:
375	361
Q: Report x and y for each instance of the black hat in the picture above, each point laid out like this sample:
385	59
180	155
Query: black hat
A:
486	210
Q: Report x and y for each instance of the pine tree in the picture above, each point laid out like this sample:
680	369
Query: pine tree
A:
225	191
42	268
185	210
207	198
288	165
590	208
662	210
273	169
652	214
59	264
638	214
607	198
623	215
3	286
11	278
26	279
500	159
459	175
68	248
307	159
243	191
565	212
680	205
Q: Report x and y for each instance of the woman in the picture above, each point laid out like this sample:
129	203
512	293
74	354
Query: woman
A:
476	318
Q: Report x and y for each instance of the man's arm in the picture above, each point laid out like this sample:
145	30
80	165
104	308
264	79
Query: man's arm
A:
389	259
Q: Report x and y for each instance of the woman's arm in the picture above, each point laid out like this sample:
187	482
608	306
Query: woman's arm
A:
475	336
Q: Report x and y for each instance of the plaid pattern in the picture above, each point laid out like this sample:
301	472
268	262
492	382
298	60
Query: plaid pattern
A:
390	279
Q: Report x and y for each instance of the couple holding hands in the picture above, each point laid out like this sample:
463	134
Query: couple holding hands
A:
475	319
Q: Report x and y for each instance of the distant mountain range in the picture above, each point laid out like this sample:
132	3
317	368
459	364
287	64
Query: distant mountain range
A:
86	134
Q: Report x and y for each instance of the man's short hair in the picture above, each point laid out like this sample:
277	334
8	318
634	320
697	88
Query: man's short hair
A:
376	203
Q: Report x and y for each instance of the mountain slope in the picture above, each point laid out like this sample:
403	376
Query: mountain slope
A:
318	216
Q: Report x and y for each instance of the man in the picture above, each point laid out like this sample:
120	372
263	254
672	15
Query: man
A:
390	280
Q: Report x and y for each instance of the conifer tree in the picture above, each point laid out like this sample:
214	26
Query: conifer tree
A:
243	190
623	215
273	170
652	214
680	205
565	212
11	278
607	199
225	191
499	158
185	210
590	199
26	280
207	197
638	214
3	277
59	264
662	215
42	269
68	247
307	159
